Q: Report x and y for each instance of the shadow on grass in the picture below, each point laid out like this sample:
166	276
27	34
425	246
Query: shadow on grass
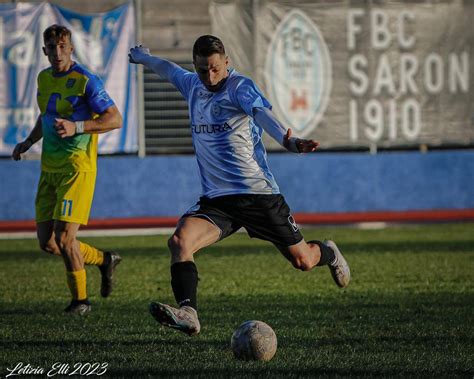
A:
220	307
349	334
104	344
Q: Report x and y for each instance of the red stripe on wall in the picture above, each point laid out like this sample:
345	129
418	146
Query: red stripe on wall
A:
443	215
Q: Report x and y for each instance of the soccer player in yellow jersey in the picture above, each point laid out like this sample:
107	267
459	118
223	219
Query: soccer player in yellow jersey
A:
74	108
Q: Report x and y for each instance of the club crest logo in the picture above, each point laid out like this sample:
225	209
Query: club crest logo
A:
204	95
70	83
298	75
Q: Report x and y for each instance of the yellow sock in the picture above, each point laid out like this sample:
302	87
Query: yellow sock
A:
76	281
92	256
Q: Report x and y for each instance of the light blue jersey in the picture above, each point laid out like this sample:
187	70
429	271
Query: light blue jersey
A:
227	142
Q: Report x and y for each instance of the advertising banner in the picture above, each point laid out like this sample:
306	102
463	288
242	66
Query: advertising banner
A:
358	74
101	43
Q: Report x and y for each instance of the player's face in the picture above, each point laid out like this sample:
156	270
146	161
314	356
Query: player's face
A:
212	70
59	53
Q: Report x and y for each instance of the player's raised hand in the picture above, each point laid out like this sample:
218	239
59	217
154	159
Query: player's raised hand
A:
299	145
21	148
65	128
137	53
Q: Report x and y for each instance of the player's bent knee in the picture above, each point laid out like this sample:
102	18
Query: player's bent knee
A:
180	249
174	243
64	242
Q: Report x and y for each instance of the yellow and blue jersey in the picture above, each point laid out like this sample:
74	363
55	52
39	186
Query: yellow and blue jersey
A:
75	95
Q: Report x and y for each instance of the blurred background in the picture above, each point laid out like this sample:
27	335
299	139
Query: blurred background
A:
385	86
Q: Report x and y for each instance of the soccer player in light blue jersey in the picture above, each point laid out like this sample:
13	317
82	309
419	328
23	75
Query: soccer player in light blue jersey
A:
228	116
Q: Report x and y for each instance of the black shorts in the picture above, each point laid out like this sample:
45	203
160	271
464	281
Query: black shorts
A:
263	216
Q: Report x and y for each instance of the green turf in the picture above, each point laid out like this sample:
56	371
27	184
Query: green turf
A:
408	311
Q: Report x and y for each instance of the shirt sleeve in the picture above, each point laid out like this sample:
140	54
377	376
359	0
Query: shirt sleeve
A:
182	79
96	96
248	97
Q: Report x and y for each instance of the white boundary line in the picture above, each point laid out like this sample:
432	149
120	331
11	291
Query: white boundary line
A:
169	231
97	233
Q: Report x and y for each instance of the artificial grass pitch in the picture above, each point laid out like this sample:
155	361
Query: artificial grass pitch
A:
408	311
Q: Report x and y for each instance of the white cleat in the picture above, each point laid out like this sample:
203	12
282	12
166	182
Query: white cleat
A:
340	270
183	319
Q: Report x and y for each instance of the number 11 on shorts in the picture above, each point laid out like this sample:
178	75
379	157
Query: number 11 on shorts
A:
67	207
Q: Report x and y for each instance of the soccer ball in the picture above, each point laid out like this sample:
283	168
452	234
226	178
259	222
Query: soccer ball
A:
254	340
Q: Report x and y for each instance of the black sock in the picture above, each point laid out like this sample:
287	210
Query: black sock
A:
327	254
184	281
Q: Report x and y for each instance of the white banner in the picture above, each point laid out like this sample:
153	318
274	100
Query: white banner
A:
101	43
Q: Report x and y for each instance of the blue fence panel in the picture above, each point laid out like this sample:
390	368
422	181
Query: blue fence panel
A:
351	182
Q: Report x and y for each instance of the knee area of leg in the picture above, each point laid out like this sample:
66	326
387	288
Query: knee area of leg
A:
179	248
175	242
63	241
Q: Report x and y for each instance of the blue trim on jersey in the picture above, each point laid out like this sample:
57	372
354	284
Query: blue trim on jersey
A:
97	97
260	155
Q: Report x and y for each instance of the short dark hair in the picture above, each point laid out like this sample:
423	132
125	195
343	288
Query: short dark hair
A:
207	45
56	32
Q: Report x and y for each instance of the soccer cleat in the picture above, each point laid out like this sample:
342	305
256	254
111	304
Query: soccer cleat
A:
111	260
340	270
78	307
183	319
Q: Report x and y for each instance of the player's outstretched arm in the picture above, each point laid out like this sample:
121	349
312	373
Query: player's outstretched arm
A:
35	135
141	55
265	118
299	145
109	120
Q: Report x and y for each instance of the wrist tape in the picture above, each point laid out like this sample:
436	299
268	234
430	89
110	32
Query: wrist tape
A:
292	145
79	127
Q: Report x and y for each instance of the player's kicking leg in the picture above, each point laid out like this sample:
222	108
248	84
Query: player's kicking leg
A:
191	235
305	256
339	268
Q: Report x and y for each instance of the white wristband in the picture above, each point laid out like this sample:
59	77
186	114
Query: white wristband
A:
79	127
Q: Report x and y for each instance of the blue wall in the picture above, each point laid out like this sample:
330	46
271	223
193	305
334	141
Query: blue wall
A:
321	182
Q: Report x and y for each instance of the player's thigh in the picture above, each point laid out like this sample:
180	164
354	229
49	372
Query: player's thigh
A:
74	195
68	230
268	217
213	217
195	233
45	200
